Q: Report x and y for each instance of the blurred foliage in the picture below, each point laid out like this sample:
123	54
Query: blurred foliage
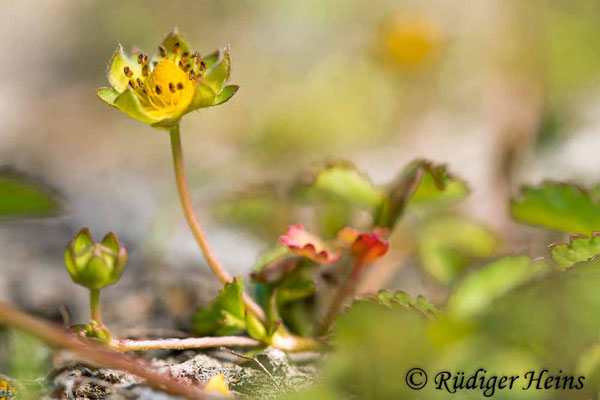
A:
420	184
339	195
448	244
528	324
23	196
560	206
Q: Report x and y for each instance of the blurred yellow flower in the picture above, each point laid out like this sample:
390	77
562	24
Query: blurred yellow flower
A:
7	391
409	41
217	384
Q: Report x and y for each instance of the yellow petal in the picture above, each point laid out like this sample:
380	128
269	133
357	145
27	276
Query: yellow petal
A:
217	384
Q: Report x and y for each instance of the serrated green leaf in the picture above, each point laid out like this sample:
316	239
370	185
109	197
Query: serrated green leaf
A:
403	300
449	244
23	196
479	289
559	206
225	315
340	182
420	184
579	248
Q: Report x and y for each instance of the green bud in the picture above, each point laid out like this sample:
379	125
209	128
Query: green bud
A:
93	331
95	265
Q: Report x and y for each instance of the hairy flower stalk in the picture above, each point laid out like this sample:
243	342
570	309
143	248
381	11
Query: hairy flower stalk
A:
190	215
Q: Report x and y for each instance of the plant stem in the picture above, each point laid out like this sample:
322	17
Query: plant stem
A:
95	305
198	232
345	291
124	345
57	337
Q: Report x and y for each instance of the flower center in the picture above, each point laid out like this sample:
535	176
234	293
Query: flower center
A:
167	90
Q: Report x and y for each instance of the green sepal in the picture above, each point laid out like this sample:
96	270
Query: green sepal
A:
83	240
169	42
580	248
204	96
96	274
115	70
226	94
219	73
110	241
128	103
211	59
70	263
107	95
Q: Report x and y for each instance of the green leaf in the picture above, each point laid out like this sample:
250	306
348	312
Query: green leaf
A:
115	70
129	104
218	74
420	184
225	315
402	300
478	290
438	188
559	206
447	245
339	181
580	248
558	315
255	328
24	196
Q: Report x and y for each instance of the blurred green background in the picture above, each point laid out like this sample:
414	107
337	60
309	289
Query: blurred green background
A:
504	92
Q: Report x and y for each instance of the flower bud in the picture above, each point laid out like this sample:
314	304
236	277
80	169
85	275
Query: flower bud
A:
92	264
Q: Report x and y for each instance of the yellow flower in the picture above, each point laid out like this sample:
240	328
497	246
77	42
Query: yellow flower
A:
217	384
410	41
7	390
174	82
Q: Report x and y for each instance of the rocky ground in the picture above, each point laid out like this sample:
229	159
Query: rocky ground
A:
264	376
